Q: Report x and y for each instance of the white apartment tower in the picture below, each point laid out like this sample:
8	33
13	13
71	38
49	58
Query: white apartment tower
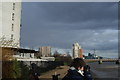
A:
76	50
10	23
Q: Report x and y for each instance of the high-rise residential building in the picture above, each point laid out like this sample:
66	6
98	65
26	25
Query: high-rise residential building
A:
45	51
10	20
77	51
10	23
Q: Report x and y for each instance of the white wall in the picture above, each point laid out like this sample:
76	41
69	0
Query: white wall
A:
6	28
0	19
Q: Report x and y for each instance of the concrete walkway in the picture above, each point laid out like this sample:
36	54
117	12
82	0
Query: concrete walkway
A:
62	70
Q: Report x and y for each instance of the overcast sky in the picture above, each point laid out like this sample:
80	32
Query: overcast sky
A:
59	25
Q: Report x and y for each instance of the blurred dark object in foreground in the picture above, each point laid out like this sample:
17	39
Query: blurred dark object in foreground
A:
86	68
55	77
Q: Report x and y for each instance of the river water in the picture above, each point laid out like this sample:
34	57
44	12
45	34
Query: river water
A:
106	70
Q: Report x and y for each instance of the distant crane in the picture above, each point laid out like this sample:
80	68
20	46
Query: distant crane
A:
94	50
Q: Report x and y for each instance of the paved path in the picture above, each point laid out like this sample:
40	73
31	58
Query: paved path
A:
62	70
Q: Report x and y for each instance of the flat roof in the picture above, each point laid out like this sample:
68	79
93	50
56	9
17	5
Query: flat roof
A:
21	50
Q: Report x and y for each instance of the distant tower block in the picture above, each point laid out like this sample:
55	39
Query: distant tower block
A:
77	51
45	51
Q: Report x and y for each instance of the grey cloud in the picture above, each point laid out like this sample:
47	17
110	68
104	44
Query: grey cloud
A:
92	25
79	11
69	15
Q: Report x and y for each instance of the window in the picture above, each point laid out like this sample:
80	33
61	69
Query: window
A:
12	27
13	6
13	3
30	55
13	16
20	25
11	36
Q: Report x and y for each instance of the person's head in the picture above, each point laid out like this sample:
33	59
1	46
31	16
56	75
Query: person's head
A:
78	63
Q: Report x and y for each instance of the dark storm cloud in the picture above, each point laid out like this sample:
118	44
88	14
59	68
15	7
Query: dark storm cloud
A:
73	15
93	25
81	15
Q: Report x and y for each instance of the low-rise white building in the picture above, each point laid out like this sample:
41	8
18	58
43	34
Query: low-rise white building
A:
48	58
24	55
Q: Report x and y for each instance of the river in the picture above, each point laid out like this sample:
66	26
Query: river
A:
106	70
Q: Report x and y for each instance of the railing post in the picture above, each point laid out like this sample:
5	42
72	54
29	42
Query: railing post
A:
100	61
55	76
117	62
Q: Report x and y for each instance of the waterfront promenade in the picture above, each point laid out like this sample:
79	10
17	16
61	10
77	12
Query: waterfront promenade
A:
107	70
62	70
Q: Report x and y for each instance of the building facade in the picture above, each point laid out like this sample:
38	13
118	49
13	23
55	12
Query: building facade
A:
45	51
77	51
10	23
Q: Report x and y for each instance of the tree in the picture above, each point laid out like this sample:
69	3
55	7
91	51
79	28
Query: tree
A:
16	69
56	54
66	59
24	71
11	70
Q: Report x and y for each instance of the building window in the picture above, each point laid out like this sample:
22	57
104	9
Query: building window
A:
20	25
11	36
12	27
13	16
13	6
